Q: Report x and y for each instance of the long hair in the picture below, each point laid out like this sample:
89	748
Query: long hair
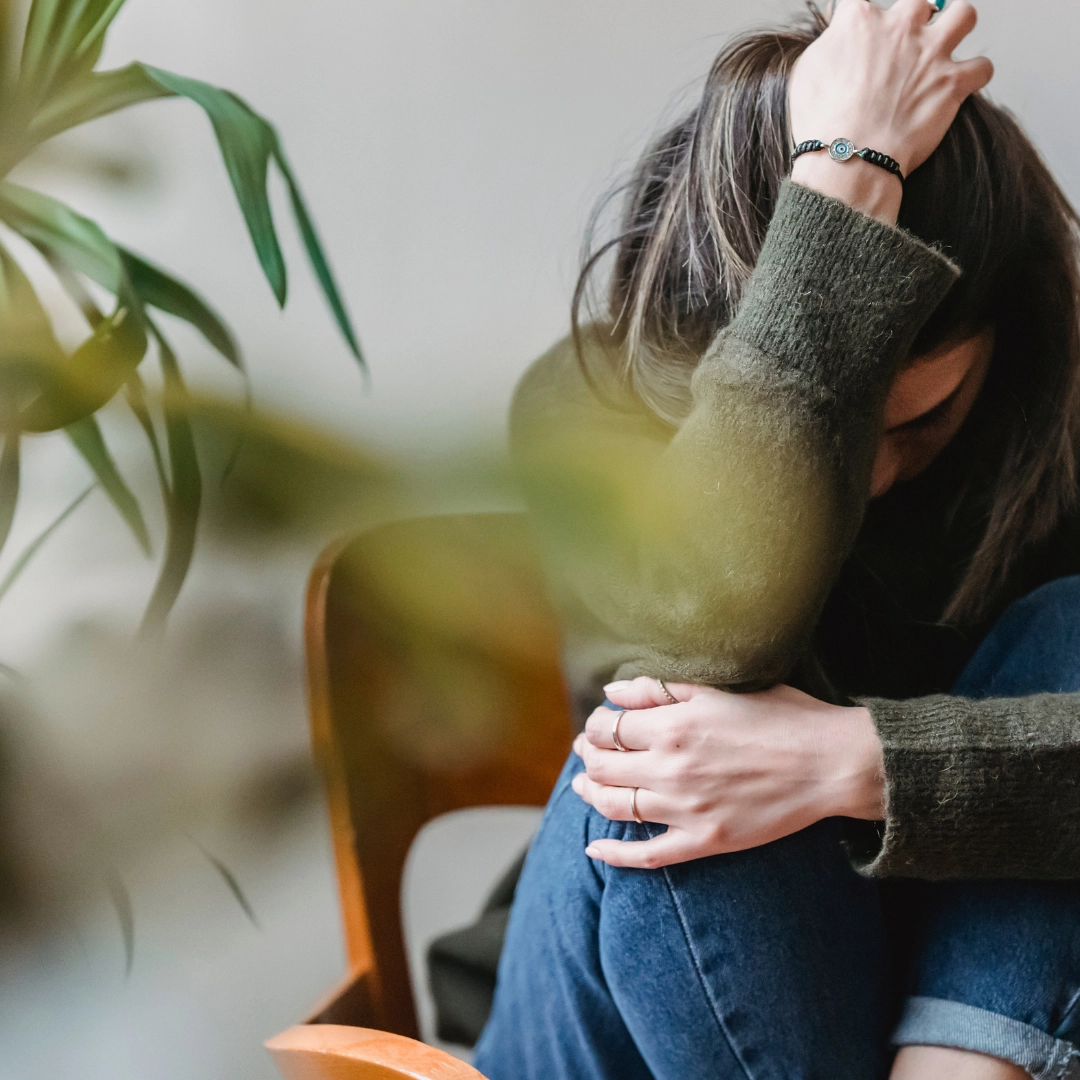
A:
696	211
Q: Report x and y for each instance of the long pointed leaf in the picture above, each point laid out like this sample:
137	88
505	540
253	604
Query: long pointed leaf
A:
125	914
39	542
317	256
63	40
158	289
186	496
231	882
87	439
92	375
9	484
55	228
26	332
136	397
246	141
96	94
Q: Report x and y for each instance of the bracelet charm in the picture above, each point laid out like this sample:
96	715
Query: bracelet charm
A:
841	149
844	150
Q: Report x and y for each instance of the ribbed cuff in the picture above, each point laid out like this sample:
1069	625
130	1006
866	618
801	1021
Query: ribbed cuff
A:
839	296
979	788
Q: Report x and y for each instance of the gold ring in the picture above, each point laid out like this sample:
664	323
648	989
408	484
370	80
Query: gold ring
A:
633	806
615	731
667	693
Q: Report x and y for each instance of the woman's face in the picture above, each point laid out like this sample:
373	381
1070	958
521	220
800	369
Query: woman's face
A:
926	406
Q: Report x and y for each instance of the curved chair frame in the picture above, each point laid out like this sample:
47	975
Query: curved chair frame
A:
434	685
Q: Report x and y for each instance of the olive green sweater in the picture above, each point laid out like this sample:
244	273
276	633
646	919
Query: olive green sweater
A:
707	554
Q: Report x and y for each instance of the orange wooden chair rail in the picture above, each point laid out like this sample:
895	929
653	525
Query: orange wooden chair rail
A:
434	685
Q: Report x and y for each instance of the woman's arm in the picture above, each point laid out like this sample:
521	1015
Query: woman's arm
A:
706	556
966	788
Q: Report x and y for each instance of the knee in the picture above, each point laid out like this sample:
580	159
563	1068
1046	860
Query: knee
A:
1033	648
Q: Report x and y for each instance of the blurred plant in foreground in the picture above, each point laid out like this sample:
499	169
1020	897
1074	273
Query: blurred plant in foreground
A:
48	85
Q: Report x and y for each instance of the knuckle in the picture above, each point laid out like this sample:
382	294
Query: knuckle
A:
651	860
719	834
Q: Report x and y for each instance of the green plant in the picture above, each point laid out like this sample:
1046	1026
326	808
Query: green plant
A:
48	85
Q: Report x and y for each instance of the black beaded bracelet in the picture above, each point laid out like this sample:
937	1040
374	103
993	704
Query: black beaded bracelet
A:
844	150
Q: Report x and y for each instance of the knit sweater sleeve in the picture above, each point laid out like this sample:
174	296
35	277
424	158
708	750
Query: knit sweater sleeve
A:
985	788
706	555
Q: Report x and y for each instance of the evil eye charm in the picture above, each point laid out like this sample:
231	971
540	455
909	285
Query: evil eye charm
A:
841	149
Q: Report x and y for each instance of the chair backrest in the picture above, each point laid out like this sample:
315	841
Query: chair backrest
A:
434	683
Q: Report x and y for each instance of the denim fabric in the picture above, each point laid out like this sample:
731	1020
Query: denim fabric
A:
782	963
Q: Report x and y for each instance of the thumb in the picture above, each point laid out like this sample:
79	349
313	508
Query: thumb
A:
646	693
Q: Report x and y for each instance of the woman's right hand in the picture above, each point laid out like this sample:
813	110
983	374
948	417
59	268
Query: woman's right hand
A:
886	80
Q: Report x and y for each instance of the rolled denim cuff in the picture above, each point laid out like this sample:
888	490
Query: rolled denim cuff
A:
930	1021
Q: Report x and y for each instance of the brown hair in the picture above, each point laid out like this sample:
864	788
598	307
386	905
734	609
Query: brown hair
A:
695	215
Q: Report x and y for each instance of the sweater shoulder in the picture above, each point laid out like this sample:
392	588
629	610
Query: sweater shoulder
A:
556	398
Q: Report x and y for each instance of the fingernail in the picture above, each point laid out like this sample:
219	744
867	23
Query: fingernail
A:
576	783
592	851
615	687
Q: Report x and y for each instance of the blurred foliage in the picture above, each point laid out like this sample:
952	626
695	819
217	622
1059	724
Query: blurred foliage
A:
49	85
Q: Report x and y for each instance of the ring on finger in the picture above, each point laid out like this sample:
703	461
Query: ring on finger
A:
615	731
633	806
667	693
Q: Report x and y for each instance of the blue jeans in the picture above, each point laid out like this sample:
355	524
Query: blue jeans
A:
782	963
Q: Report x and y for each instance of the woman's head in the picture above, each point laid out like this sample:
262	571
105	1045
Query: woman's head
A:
696	213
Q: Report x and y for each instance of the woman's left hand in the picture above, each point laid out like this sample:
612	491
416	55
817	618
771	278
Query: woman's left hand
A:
724	771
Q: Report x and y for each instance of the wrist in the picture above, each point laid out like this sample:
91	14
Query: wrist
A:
863	186
858	783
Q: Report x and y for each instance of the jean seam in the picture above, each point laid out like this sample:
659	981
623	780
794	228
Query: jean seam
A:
1069	1010
713	1005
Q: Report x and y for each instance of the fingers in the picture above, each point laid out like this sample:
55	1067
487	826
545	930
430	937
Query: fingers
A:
956	22
615	803
671	847
636	729
919	12
611	767
974	74
646	693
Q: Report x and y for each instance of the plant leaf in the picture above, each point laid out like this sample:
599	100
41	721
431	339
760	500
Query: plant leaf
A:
39	542
246	141
9	484
63	39
86	437
125	913
90	377
96	94
230	880
58	230
158	289
79	385
29	351
316	255
136	397
185	498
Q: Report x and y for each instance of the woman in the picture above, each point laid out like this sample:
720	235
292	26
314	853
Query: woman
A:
808	445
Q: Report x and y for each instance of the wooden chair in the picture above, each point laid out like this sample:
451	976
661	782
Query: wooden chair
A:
434	685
